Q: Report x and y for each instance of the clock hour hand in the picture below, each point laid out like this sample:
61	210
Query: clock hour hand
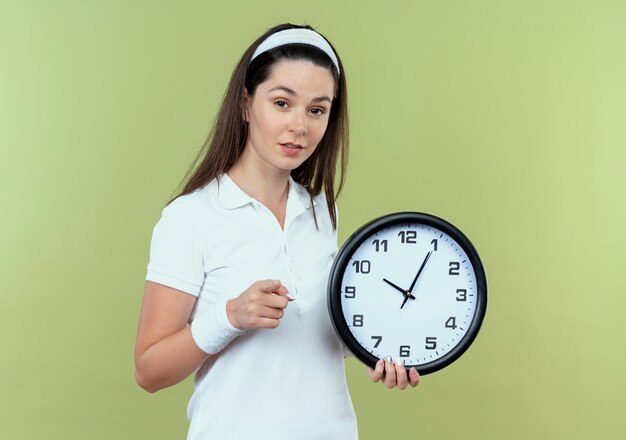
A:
419	272
404	292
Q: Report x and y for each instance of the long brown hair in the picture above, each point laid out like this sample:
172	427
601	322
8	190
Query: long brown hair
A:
227	138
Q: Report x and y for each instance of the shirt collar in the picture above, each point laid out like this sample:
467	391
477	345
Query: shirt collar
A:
231	196
300	195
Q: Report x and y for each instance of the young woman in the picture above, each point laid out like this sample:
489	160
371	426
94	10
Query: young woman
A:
239	261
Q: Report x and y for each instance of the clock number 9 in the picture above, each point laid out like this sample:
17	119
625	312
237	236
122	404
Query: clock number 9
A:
349	292
408	237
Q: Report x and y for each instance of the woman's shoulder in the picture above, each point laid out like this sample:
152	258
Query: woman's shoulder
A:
322	213
194	203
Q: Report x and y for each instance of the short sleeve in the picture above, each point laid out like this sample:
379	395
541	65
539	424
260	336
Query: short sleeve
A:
176	250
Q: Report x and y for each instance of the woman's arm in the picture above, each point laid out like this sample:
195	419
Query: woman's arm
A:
165	352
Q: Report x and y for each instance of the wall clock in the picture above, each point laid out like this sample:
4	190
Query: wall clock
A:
411	286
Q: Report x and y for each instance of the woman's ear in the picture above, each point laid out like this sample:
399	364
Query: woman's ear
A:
246	105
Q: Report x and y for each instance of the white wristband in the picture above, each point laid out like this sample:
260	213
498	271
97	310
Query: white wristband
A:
213	331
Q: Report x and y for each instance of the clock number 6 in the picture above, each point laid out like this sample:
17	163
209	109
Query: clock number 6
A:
405	351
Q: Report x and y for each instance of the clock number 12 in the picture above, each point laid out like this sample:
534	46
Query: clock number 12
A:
408	237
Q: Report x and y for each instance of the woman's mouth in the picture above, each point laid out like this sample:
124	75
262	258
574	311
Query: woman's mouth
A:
291	149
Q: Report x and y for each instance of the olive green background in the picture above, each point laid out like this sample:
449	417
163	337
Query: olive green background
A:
506	118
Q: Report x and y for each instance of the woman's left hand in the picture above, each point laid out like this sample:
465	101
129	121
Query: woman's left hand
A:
393	375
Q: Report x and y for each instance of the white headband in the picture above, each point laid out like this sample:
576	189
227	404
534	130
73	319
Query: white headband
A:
296	36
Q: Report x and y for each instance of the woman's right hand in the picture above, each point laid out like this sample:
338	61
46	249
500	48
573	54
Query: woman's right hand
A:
260	306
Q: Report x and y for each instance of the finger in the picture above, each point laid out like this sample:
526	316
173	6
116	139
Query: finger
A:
377	372
268	286
390	373
271	312
274	301
401	377
260	322
276	287
414	377
281	290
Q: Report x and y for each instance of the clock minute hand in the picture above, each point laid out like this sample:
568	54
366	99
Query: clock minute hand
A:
419	272
404	292
406	298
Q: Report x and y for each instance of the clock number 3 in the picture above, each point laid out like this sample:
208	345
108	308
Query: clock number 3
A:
461	295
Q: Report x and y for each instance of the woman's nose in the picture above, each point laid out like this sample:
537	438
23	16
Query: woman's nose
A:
297	123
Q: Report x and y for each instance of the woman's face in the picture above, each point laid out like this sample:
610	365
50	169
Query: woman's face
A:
288	114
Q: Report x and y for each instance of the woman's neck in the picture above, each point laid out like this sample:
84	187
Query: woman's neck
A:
269	187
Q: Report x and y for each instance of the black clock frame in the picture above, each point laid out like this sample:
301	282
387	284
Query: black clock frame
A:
352	244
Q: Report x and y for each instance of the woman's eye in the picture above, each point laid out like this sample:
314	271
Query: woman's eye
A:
318	111
281	104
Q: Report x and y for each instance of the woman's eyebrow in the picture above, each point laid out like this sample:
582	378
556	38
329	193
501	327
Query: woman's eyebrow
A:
284	89
293	93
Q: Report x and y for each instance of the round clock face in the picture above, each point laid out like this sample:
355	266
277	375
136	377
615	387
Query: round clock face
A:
410	286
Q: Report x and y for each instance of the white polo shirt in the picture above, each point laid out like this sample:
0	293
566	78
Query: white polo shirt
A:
283	383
